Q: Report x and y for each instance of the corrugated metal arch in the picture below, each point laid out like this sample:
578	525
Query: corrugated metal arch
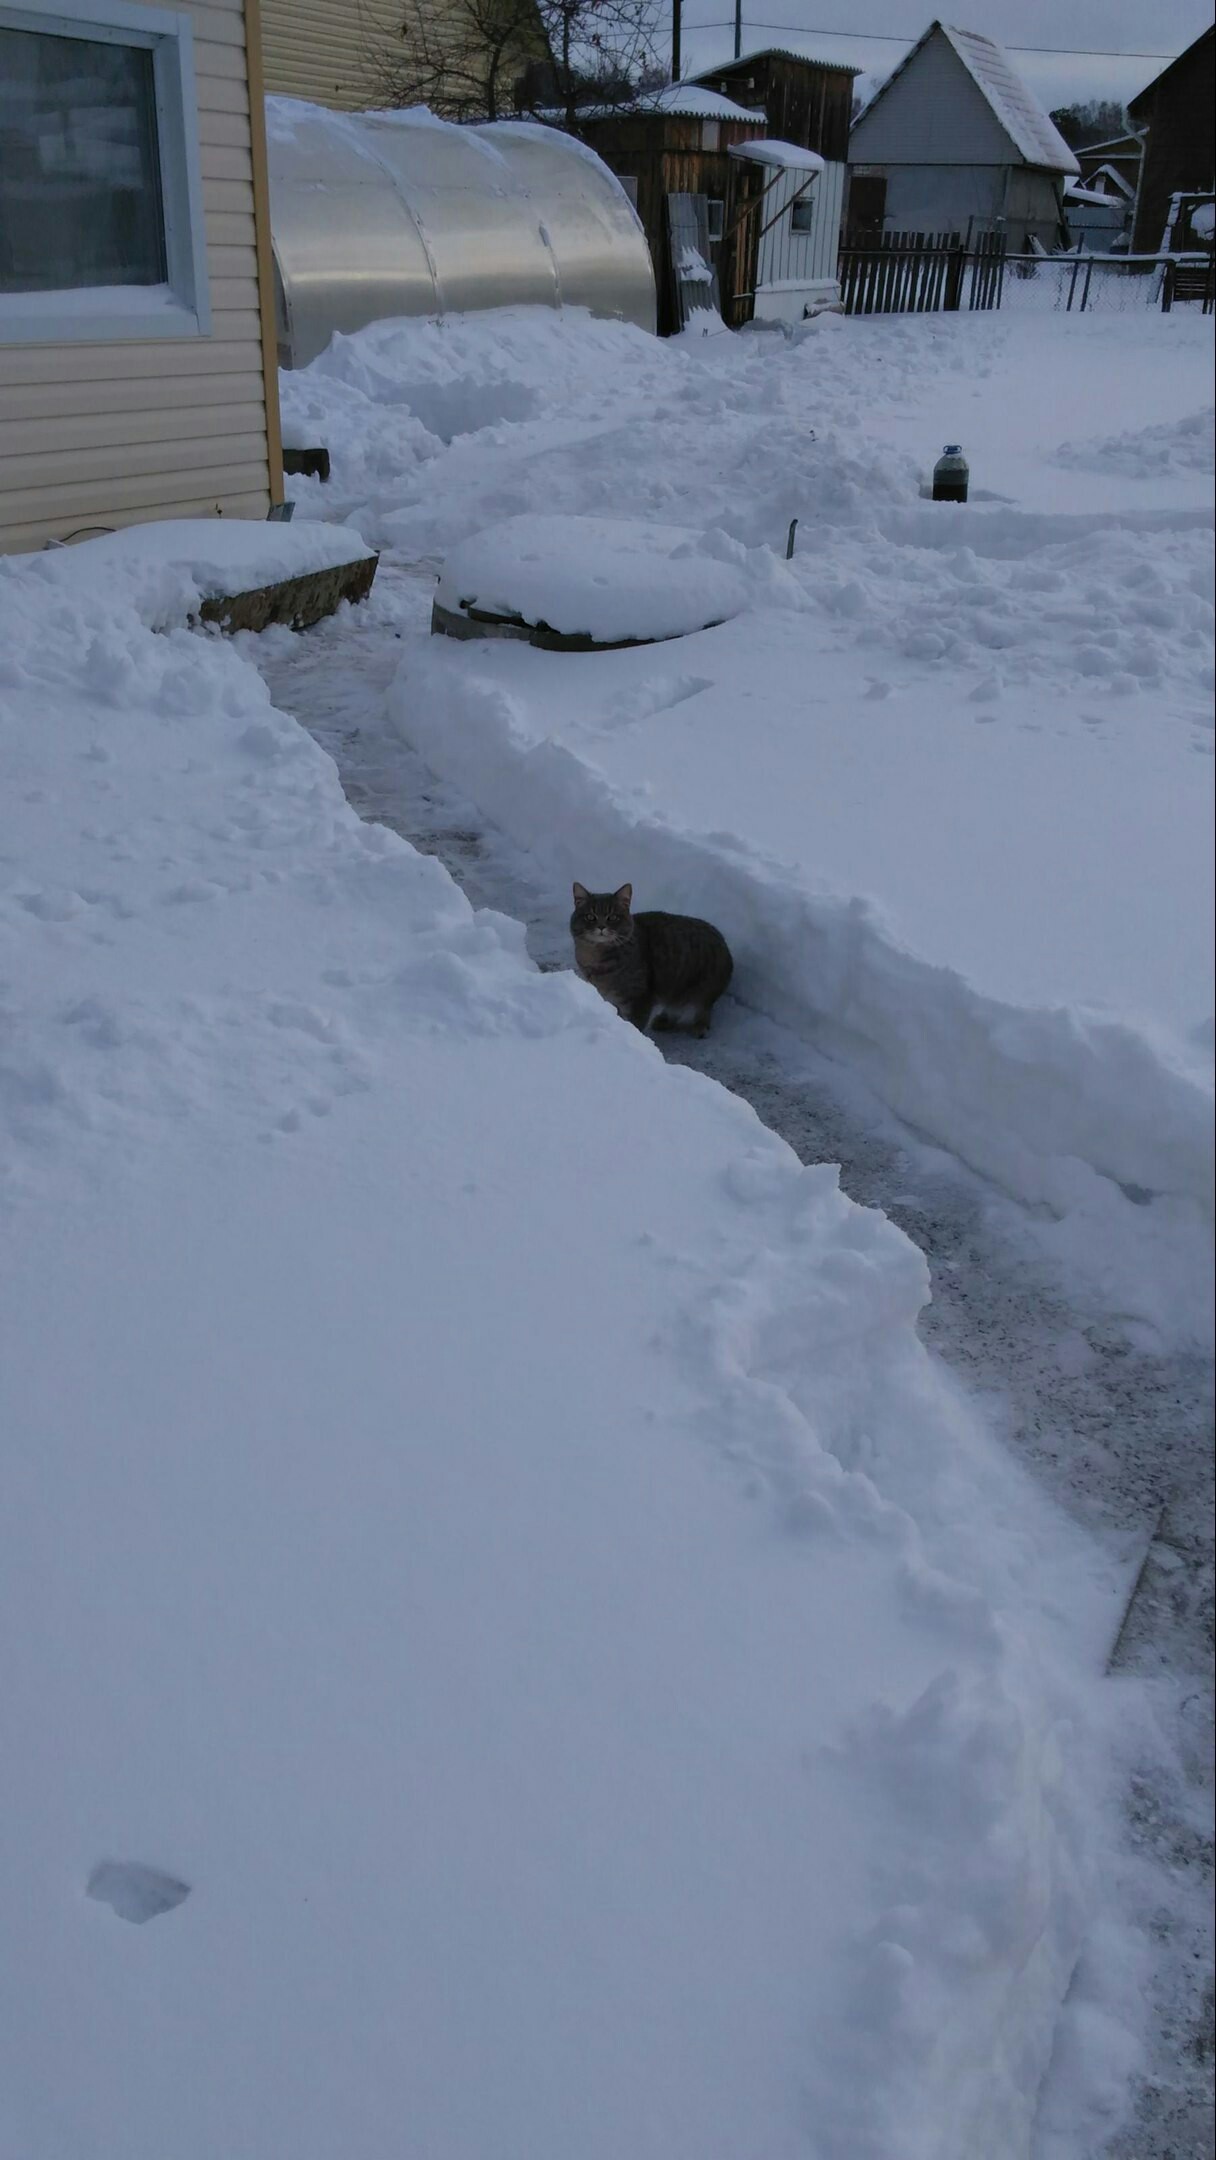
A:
376	215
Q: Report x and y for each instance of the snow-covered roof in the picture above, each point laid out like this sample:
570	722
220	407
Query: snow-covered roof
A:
1015	106
788	156
773	52
1074	192
1119	185
694	103
1035	138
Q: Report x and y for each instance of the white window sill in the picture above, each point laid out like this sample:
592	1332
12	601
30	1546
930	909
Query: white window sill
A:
96	312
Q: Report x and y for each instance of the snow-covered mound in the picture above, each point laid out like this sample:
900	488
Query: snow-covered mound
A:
164	570
1187	446
511	1644
948	782
609	579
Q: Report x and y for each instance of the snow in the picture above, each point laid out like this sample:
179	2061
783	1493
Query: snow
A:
165	570
511	1640
693	103
786	157
947	783
1203	220
603	578
1015	106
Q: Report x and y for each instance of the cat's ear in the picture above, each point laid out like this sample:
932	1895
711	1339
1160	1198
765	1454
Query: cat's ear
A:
624	894
580	892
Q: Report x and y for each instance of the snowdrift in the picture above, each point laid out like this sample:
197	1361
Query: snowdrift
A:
946	784
512	1644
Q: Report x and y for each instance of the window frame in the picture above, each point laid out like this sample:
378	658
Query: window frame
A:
181	306
803	227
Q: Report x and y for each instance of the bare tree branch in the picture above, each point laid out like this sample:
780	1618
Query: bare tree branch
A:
556	60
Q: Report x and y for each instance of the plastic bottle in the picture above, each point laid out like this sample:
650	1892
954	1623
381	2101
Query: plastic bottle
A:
951	475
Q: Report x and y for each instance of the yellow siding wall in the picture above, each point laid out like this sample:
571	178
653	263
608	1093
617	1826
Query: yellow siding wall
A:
327	50
115	433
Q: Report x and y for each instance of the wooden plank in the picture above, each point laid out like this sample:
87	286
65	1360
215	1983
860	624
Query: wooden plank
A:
71	503
179	424
67	402
268	328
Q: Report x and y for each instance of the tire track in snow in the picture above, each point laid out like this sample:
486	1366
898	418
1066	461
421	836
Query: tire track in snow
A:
1121	1435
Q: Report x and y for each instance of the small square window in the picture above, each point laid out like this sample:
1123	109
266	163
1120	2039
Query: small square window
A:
101	221
802	214
711	134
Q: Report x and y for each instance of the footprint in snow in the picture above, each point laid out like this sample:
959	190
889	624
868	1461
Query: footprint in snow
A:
135	1892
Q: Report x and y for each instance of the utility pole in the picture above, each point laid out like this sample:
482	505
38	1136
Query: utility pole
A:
675	40
738	29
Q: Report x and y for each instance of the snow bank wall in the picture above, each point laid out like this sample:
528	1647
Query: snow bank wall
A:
1084	1115
711	1722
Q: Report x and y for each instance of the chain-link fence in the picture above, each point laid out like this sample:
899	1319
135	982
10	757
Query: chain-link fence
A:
1083	284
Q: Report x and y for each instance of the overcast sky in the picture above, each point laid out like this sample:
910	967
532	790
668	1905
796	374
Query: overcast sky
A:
1108	26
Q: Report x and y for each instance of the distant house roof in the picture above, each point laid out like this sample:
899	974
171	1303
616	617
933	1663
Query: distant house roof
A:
1037	141
1119	185
1142	101
686	100
773	52
1113	146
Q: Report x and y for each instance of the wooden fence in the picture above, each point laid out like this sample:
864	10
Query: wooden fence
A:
919	273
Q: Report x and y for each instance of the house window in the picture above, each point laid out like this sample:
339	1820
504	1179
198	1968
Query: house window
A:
101	227
802	214
629	181
715	217
711	134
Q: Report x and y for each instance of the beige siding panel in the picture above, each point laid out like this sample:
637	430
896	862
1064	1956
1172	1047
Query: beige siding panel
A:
221	163
222	131
327	49
28	538
228	271
216	94
126	461
115	432
218	62
217	26
73	504
222	197
68	403
79	366
230	229
100	432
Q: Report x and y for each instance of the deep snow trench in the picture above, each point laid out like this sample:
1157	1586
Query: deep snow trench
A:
1117	1432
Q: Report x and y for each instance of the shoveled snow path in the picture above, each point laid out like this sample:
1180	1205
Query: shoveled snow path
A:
1120	1434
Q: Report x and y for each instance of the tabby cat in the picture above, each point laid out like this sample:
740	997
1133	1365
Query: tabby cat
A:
660	971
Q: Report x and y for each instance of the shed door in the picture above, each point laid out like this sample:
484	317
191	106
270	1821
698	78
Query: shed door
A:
867	205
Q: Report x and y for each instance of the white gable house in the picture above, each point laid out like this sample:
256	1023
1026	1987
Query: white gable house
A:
955	142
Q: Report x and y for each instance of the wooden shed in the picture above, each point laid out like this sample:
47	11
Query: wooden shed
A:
672	154
1174	115
808	103
137	355
956	142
